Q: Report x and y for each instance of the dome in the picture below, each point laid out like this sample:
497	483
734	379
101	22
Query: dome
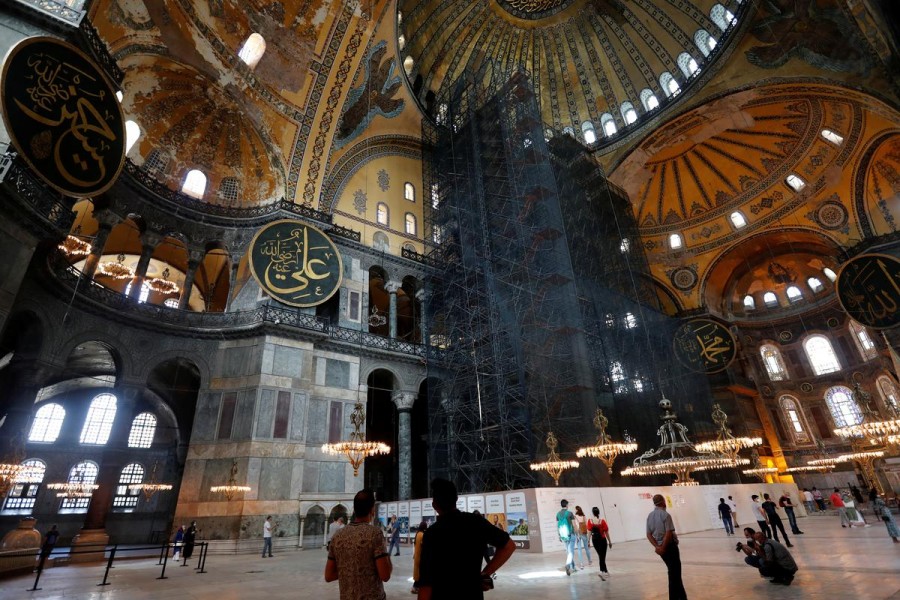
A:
597	66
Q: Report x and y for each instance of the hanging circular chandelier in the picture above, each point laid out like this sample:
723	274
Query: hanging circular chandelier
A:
162	284
357	449
758	470
606	449
878	431
117	269
74	489
725	442
74	247
152	486
554	465
231	488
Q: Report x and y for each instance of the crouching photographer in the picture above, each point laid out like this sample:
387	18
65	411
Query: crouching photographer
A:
770	557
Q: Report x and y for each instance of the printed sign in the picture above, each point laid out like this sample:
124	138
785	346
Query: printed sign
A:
517	518
295	263
62	116
868	288
704	346
475	503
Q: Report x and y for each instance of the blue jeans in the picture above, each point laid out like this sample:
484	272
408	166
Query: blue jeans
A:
570	552
395	544
267	546
581	543
729	528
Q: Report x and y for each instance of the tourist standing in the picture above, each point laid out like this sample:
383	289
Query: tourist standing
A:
395	535
661	533
820	501
176	546
725	515
809	501
581	536
775	522
788	506
267	536
600	540
838	502
565	526
733	506
190	538
333	528
452	550
761	518
881	509
356	559
417	555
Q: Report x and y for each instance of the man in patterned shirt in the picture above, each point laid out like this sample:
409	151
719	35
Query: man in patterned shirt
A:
357	558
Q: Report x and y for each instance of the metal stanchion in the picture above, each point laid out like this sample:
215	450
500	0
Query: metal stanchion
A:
39	570
165	560
203	557
112	556
163	552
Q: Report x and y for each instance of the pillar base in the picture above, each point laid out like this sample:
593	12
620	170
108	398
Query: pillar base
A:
87	546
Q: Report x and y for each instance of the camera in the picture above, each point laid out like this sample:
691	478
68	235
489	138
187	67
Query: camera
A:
739	547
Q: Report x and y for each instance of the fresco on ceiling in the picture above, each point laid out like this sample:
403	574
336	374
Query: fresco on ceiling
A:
819	36
374	97
130	13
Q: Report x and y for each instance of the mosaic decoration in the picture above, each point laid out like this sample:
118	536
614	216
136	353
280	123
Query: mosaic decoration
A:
704	346
62	116
684	279
785	336
868	288
359	201
806	387
533	9
374	97
831	215
295	263
384	180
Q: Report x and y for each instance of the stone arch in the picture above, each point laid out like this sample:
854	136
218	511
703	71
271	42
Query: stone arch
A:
314	527
379	301
877	169
123	360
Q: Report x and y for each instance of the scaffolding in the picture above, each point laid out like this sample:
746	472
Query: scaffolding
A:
542	297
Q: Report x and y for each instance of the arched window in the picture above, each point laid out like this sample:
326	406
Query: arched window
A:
435	195
773	362
749	302
156	162
399	17
795	182
616	373
145	291
410	220
408	64
794	294
705	42
409	192
380	242
587	130
843	407
738	219
442	113
126	499
401	41
863	341
630	321
669	85
821	355
648	99
687	64
142	429
829	274
99	422
721	16
832	137
381	214
47	422
770	299
132	135
625	246
409	246
194	184
815	285
252	50
889	393
23	492
608	124
628	113
675	241
792	416
85	473
230	190
437	234
568	131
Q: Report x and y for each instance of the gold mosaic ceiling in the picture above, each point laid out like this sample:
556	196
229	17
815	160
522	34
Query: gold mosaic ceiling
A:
586	57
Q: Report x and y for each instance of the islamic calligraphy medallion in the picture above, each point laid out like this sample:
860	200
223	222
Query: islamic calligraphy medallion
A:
868	288
704	346
295	263
63	116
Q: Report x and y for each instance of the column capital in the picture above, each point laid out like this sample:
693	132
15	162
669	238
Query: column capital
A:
392	286
404	400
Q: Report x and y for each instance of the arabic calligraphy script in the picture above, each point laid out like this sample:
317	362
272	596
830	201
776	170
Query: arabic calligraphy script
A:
296	263
869	290
63	116
704	345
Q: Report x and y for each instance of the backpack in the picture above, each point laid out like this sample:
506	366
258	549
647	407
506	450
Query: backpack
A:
562	525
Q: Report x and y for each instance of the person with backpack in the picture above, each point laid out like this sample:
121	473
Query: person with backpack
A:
581	538
600	539
565	525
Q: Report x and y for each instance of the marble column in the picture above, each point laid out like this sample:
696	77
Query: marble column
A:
421	296
392	287
404	402
140	273
232	287
97	247
193	264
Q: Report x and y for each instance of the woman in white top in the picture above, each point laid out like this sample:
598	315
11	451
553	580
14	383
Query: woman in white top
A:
581	537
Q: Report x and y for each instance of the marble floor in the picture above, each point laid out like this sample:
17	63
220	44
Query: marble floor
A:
858	563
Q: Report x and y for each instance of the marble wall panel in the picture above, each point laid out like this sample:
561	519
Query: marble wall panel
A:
287	361
317	425
298	417
265	416
243	415
275	479
337	373
310	476
207	417
331	476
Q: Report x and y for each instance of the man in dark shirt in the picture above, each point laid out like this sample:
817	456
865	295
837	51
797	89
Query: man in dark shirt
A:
775	521
453	548
788	506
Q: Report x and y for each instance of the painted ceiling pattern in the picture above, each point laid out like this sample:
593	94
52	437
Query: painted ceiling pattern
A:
585	60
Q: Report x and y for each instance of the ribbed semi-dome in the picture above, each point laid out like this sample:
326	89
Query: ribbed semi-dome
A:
597	66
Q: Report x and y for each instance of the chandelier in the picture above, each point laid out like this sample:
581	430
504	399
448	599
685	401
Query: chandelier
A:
152	486
74	489
677	455
116	270
74	247
231	488
12	471
758	470
376	319
162	284
878	431
554	466
357	448
605	449
725	442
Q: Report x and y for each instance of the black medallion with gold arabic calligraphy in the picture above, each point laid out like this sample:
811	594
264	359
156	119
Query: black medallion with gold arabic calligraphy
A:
868	288
62	116
704	346
296	263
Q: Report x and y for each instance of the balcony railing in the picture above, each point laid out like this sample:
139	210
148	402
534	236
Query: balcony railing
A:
47	206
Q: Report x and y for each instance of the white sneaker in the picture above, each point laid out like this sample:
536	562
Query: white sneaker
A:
602	578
